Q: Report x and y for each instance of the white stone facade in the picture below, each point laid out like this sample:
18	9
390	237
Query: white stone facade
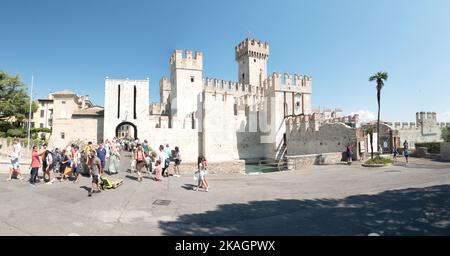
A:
224	120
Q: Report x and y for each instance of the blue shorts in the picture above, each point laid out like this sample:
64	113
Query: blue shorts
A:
15	163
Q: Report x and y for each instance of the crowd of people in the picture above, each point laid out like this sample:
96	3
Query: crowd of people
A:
95	160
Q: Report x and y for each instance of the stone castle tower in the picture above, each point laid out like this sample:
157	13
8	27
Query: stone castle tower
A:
251	56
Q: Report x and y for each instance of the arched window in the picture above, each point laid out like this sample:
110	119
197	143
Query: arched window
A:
298	103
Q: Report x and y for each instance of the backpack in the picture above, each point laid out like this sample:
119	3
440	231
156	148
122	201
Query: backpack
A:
56	157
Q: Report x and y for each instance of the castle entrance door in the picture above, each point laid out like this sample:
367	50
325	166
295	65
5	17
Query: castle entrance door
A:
126	130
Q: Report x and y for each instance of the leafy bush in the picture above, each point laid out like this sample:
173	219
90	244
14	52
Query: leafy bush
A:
36	130
18	132
2	134
36	142
8	141
446	134
433	147
5	126
379	160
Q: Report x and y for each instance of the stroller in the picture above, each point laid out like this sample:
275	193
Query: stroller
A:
109	184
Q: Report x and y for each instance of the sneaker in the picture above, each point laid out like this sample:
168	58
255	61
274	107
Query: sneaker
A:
49	183
97	191
33	185
206	190
21	178
53	180
196	189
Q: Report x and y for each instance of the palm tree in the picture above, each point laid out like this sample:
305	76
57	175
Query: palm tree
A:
379	77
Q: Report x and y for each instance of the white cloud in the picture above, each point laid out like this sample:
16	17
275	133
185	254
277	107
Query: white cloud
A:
365	115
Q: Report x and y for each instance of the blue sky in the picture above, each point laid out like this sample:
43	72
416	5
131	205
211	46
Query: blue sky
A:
76	44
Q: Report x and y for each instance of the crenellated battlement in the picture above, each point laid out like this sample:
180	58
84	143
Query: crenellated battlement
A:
288	82
303	123
229	87
425	116
188	61
405	125
252	48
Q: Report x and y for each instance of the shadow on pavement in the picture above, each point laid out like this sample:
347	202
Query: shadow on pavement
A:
86	188
131	177
189	186
422	211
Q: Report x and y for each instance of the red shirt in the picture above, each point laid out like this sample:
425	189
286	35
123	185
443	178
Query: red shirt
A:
35	160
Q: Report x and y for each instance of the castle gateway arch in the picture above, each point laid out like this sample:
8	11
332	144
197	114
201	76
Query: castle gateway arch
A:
126	130
126	108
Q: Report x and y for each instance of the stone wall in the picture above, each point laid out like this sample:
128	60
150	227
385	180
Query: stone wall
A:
219	128
329	138
237	166
445	151
304	161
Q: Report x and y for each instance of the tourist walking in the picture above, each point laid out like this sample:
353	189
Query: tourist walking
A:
107	146
114	160
101	153
395	152
15	159
35	164
57	161
168	153
406	154
140	160
66	165
349	154
48	170
202	165
177	159
76	163
44	161
158	170
161	158
96	171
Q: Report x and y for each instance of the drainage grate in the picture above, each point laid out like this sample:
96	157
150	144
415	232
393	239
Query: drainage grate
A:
162	202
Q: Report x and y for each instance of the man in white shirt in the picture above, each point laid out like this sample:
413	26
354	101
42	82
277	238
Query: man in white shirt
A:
15	158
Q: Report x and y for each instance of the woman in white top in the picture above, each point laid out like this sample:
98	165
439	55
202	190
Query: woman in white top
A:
202	171
15	157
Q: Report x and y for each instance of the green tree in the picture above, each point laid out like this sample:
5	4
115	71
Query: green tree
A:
380	78
14	99
446	134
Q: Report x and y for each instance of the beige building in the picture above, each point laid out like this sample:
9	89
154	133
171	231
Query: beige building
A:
43	116
75	118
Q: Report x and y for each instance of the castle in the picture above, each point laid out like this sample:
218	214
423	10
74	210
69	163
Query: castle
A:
226	121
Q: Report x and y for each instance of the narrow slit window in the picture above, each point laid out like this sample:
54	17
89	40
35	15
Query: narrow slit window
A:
118	102
134	105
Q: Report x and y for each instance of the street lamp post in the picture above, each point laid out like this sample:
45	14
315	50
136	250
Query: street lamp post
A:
29	111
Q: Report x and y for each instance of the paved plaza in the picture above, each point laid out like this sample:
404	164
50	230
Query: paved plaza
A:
321	200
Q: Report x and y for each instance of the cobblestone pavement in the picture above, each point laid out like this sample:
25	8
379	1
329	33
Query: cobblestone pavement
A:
321	200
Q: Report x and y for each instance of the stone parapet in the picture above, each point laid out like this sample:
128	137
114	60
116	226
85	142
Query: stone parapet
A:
236	166
304	161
